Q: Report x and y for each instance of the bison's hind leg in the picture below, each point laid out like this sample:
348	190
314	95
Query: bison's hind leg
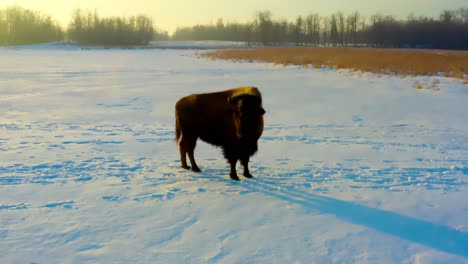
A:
187	146
192	160
183	157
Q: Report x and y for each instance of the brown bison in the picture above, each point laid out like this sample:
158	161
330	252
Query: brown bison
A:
231	119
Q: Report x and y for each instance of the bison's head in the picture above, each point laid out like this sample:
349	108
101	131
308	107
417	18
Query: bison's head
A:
247	112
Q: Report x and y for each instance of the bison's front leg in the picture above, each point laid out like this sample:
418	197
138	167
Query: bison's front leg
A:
233	173
245	162
231	155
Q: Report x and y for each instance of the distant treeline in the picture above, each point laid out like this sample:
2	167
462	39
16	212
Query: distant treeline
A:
20	26
89	29
448	31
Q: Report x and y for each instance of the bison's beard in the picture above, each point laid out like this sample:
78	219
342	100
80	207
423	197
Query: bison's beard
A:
248	145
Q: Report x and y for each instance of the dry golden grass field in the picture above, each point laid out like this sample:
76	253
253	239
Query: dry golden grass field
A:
403	62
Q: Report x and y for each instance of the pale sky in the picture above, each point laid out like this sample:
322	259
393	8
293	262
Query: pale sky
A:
169	14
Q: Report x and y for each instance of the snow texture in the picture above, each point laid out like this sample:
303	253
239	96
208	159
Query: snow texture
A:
350	169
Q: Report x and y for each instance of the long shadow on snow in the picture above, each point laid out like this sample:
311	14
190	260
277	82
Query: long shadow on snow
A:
436	236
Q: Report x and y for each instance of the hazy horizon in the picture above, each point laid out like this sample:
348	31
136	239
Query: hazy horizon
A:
170	15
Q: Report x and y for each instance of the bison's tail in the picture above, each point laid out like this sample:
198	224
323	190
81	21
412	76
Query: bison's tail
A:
178	131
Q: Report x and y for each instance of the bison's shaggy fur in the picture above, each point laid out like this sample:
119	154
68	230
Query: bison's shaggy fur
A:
231	119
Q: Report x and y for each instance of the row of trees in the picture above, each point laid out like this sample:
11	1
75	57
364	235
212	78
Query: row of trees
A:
88	28
448	31
21	26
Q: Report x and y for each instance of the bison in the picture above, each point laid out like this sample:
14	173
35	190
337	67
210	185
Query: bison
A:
231	119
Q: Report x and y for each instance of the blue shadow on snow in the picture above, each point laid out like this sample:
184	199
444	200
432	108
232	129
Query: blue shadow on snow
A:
432	235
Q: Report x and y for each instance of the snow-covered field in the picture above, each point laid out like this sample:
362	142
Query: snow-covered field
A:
350	169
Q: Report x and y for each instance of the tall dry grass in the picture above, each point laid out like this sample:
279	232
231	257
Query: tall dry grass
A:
388	61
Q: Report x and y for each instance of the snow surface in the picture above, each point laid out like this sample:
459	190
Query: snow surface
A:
350	168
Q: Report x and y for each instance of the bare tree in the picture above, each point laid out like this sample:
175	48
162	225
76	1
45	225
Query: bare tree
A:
326	32
334	36
265	26
341	28
309	29
447	16
312	29
298	31
352	27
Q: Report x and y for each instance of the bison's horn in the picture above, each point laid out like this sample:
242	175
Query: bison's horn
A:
235	99
262	111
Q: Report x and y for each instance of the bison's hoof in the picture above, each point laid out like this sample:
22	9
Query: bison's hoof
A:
235	178
248	175
196	169
185	167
